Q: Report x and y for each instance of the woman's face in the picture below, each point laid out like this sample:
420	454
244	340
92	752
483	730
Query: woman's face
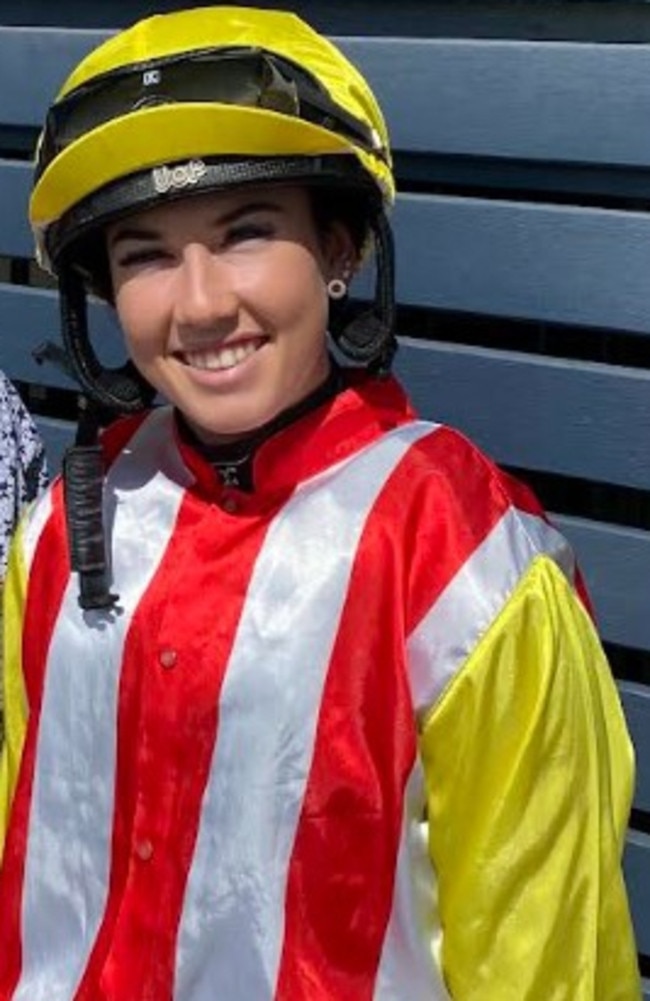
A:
223	302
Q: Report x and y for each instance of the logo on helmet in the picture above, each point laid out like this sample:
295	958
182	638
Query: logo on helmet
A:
181	176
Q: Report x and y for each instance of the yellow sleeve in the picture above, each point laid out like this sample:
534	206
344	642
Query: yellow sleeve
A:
13	688
529	772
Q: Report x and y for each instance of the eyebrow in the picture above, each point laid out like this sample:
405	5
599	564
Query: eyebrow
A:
145	234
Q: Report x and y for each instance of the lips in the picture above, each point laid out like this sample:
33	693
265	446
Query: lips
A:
224	357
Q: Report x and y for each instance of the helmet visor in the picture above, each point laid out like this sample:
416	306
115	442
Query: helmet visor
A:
243	77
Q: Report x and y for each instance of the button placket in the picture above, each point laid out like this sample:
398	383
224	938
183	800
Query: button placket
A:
230	504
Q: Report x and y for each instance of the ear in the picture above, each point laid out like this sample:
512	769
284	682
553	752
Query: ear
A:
340	256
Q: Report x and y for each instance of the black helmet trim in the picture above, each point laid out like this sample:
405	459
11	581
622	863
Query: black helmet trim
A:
156	185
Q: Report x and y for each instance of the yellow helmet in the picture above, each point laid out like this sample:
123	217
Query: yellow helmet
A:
196	99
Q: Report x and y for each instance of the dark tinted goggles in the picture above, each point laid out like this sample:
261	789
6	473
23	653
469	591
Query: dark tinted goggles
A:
245	77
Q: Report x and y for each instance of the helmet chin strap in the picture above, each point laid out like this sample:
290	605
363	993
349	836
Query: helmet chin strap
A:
105	391
122	389
83	482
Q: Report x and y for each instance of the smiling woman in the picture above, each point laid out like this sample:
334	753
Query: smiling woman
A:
223	301
305	701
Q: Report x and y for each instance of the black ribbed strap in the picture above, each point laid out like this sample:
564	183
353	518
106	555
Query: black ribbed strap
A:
83	479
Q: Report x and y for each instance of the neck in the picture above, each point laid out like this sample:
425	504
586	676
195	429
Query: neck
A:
233	460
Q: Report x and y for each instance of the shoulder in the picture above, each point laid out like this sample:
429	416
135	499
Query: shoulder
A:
117	435
474	533
447	472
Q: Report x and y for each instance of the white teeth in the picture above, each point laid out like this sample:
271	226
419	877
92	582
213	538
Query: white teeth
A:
227	357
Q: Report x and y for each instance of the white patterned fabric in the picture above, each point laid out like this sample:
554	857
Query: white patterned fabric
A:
23	470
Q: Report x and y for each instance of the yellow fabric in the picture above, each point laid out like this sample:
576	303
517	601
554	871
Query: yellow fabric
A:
171	132
150	136
529	775
165	35
13	688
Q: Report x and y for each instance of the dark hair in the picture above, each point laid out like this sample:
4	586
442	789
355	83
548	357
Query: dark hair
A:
353	208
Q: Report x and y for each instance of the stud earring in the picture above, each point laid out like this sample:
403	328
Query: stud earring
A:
337	288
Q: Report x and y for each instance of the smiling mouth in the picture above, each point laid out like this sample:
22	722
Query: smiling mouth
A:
218	360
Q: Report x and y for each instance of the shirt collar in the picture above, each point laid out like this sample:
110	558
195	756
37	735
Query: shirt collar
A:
364	409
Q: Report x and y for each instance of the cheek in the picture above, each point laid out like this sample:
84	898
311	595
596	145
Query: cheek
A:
139	311
291	293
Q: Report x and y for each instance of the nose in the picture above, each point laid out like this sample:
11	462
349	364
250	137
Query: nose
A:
205	297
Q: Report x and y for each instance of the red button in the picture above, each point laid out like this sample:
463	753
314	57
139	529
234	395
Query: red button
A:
230	505
144	850
167	658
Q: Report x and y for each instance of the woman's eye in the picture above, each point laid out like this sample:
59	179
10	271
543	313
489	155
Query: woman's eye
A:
133	258
248	231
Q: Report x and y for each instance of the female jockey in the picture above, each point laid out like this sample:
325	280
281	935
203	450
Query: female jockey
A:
303	701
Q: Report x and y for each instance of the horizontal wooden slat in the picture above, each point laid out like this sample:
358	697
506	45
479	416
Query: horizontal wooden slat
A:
637	877
573	418
33	64
15	183
550	100
558	263
636	703
477	97
30	317
615	560
615	563
576	418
